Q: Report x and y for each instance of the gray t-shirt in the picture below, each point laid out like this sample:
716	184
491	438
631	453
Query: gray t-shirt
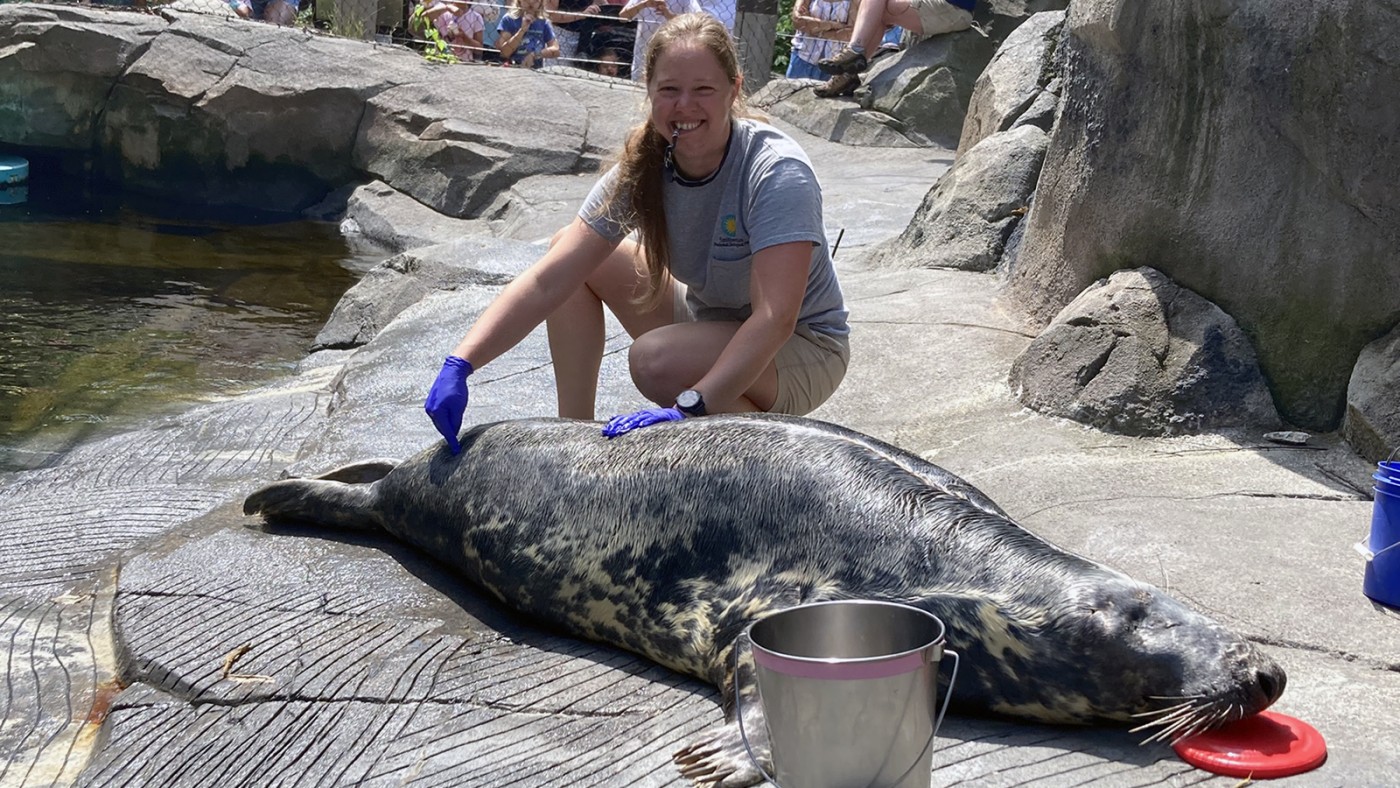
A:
764	194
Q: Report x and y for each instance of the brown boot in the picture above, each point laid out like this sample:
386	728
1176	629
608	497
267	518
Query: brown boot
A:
847	61
839	85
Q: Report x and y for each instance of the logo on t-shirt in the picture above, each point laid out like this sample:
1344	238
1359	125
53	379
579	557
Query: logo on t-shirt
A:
730	225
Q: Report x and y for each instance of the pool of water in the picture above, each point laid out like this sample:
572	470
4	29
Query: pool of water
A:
109	314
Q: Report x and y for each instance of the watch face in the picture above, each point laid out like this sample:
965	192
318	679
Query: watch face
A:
688	401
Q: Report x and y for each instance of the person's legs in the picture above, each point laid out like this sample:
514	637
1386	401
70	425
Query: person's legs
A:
801	69
876	15
810	367
576	328
670	359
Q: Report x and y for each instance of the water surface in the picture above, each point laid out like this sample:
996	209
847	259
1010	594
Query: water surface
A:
109	315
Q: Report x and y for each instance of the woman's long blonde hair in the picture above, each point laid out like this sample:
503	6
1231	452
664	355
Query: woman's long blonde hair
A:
642	159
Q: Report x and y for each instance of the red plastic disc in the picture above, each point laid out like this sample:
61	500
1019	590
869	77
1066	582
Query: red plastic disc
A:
1264	746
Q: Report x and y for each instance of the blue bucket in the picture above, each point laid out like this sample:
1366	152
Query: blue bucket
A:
13	171
1389	469
1382	579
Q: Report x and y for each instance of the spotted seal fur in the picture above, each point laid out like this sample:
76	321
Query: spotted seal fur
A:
668	541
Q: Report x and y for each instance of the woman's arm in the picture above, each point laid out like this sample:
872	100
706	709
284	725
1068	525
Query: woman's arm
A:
634	7
776	286
534	294
802	19
551	46
842	31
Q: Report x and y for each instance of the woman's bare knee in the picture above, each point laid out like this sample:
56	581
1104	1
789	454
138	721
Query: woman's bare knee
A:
654	371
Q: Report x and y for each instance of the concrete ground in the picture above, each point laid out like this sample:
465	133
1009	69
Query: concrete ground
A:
152	637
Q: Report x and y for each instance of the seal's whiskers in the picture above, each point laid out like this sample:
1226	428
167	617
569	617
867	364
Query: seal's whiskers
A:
1185	722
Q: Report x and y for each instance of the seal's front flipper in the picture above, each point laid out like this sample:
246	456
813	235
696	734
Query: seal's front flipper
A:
718	757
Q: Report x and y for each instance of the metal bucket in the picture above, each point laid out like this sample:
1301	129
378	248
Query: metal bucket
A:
848	691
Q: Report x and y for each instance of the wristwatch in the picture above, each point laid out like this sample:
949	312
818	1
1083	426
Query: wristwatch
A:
690	403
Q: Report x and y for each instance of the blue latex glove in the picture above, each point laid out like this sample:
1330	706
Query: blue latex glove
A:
642	418
447	399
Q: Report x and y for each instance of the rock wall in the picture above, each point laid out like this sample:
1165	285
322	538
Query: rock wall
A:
1248	149
224	112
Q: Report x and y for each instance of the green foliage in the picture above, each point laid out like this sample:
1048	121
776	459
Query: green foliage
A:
782	44
435	50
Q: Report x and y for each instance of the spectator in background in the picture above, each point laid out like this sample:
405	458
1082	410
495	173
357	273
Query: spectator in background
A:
922	18
609	63
650	16
462	27
491	12
278	12
568	17
821	25
723	10
525	36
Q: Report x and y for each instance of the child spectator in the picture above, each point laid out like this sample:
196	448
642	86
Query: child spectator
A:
525	36
609	63
821	26
462	29
650	16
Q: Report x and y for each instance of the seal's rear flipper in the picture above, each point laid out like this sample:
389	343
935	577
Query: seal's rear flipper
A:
718	757
318	501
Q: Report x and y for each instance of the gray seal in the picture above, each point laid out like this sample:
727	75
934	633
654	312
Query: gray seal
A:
670	540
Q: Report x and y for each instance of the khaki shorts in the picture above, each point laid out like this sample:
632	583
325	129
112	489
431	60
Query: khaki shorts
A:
810	364
940	16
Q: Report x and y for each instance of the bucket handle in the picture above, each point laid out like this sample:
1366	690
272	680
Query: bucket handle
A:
1366	553
748	747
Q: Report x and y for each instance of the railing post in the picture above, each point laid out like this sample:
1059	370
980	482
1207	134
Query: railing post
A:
755	26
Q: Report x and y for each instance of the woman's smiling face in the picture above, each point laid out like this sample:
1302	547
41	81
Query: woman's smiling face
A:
691	94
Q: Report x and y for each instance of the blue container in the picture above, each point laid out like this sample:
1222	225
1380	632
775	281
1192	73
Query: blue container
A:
13	195
13	171
1382	579
1390	469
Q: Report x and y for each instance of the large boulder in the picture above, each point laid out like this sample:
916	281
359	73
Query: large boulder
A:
842	121
1251	152
57	66
1372	423
918	96
1019	86
966	218
929	86
1138	355
241	116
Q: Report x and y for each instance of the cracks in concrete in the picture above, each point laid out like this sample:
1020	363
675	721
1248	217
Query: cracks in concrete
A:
952	323
198	703
322	605
1206	497
1345	656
